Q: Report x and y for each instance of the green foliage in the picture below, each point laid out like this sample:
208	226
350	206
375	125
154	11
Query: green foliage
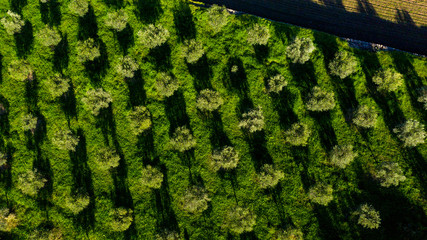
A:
31	182
422	96
388	80
12	22
77	203
29	122
411	133
140	119
321	193
20	70
253	120
225	158
127	67
269	177
258	35
217	17
343	65
166	85
49	37
209	100
320	100
64	139
239	220
298	134
8	220
3	159
121	219
182	139
389	174
153	36
107	158
87	50
58	85
365	116
342	155
276	83
79	7
368	216
234	69
288	234
45	234
151	177
96	100
117	20
192	50
195	200
168	235
300	50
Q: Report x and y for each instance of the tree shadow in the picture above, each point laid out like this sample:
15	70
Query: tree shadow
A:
364	6
4	116
403	17
146	148
258	150
43	166
98	67
283	104
121	194
288	31
68	102
175	110
326	131
82	181
137	95
17	5
24	40
148	11
31	93
88	27
6	170
1	66
261	52
345	93
60	56
114	3
218	137
105	121
201	72
301	156
304	76
51	12
125	38
327	45
236	79
183	19
161	57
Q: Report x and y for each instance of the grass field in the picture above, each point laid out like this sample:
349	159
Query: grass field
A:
403	208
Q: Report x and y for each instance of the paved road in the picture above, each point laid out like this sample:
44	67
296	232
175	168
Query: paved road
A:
335	20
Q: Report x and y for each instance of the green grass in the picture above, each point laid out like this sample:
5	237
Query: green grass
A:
287	205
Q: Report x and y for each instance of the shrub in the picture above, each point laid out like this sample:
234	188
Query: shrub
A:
269	177
276	83
117	20
239	220
77	203
234	69
29	122
209	100
195	200
217	17
166	85
58	85
411	133
289	234
45	234
44	1
342	155
368	216
300	50
87	50
8	220
298	134
127	67
96	100
321	193
140	119
389	174
225	158
192	51
49	37
423	96
388	80
182	139
343	65
153	36
3	159
258	35
79	7
253	120
31	182
64	139
107	158
168	235
365	116
20	70
12	23
121	219
151	177
320	100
